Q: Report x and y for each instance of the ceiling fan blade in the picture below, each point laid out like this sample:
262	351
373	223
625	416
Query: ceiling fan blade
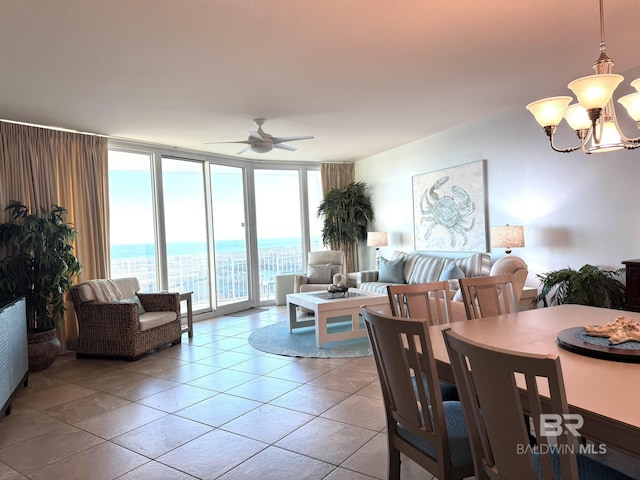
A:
291	139
239	141
284	147
256	135
240	152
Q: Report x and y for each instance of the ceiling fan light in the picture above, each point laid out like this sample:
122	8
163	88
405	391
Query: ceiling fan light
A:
609	139
577	117
594	91
631	103
549	111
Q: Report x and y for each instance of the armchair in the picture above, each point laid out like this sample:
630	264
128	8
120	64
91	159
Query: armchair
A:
114	320
323	269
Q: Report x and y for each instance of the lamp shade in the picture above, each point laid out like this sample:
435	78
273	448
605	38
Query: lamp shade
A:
595	91
549	111
577	117
632	103
377	239
508	237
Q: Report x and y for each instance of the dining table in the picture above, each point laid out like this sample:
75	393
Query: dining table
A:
606	392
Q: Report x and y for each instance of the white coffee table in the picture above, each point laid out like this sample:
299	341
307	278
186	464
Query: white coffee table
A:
329	309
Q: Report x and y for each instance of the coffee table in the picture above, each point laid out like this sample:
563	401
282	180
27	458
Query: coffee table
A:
332	308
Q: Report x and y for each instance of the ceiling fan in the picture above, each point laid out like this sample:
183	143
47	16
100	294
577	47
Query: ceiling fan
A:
261	142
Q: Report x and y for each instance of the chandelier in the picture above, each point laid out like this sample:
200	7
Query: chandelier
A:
593	117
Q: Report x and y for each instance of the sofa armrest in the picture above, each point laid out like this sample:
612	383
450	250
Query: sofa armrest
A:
368	276
160	302
299	280
108	317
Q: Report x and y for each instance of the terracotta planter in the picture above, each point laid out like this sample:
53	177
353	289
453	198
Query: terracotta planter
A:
44	348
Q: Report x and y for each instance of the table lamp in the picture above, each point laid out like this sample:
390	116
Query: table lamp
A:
377	239
508	237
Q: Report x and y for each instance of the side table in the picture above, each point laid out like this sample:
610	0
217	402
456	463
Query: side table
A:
186	296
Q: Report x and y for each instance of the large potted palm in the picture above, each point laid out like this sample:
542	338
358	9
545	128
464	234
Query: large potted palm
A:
347	212
38	263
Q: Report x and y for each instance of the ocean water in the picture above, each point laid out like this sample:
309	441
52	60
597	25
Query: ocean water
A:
141	250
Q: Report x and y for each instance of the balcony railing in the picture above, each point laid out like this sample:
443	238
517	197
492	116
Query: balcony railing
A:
191	273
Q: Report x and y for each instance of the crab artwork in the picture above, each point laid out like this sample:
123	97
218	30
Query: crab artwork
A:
452	212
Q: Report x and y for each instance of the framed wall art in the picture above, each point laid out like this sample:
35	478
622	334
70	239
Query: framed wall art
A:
449	209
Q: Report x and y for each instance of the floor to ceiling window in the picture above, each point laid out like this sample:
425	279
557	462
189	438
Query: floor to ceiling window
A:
132	220
229	234
185	227
278	226
221	228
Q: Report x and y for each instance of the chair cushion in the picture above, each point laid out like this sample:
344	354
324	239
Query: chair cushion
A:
391	270
319	273
588	469
104	290
457	432
155	319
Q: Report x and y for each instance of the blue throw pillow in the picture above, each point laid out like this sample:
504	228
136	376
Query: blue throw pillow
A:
452	272
391	270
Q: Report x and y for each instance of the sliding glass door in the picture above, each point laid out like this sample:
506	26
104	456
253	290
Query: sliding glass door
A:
278	226
185	227
228	207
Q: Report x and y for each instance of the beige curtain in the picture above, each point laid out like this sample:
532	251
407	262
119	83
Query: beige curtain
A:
338	175
41	167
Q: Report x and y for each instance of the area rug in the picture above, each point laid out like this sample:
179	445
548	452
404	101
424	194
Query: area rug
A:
302	342
244	313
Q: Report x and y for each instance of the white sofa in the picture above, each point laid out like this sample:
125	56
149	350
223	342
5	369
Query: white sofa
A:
418	267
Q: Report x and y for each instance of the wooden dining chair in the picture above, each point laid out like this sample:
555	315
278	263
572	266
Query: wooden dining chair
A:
490	381
430	301
429	431
488	296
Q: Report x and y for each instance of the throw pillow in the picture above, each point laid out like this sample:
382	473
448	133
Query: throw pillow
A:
391	270
452	272
319	273
133	299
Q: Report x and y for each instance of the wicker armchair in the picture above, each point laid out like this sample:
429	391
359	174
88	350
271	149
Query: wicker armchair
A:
114	320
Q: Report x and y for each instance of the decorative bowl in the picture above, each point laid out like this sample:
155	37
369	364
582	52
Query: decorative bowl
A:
337	289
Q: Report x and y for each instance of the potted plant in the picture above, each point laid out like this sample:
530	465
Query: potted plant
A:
347	212
39	265
588	286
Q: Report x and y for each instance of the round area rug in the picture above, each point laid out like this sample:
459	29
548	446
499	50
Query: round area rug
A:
302	343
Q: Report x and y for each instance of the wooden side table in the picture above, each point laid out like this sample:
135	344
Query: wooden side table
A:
187	296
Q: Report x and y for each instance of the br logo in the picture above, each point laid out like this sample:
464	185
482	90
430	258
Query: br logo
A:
554	425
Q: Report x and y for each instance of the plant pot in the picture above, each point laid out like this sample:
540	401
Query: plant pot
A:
44	348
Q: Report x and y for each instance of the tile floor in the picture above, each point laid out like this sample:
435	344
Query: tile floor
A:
213	407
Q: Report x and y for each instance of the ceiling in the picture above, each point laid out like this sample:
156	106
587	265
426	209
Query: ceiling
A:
362	76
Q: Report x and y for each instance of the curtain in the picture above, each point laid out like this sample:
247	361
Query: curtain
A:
338	175
41	167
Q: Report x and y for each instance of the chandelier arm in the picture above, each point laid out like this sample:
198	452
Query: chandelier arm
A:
551	132
622	135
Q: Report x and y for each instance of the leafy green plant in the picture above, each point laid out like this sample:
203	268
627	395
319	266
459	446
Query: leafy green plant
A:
38	263
587	286
347	212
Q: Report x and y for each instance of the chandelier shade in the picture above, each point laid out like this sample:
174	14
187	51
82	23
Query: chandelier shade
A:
549	111
595	91
593	117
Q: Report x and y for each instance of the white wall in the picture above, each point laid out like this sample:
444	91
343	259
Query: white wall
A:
575	208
